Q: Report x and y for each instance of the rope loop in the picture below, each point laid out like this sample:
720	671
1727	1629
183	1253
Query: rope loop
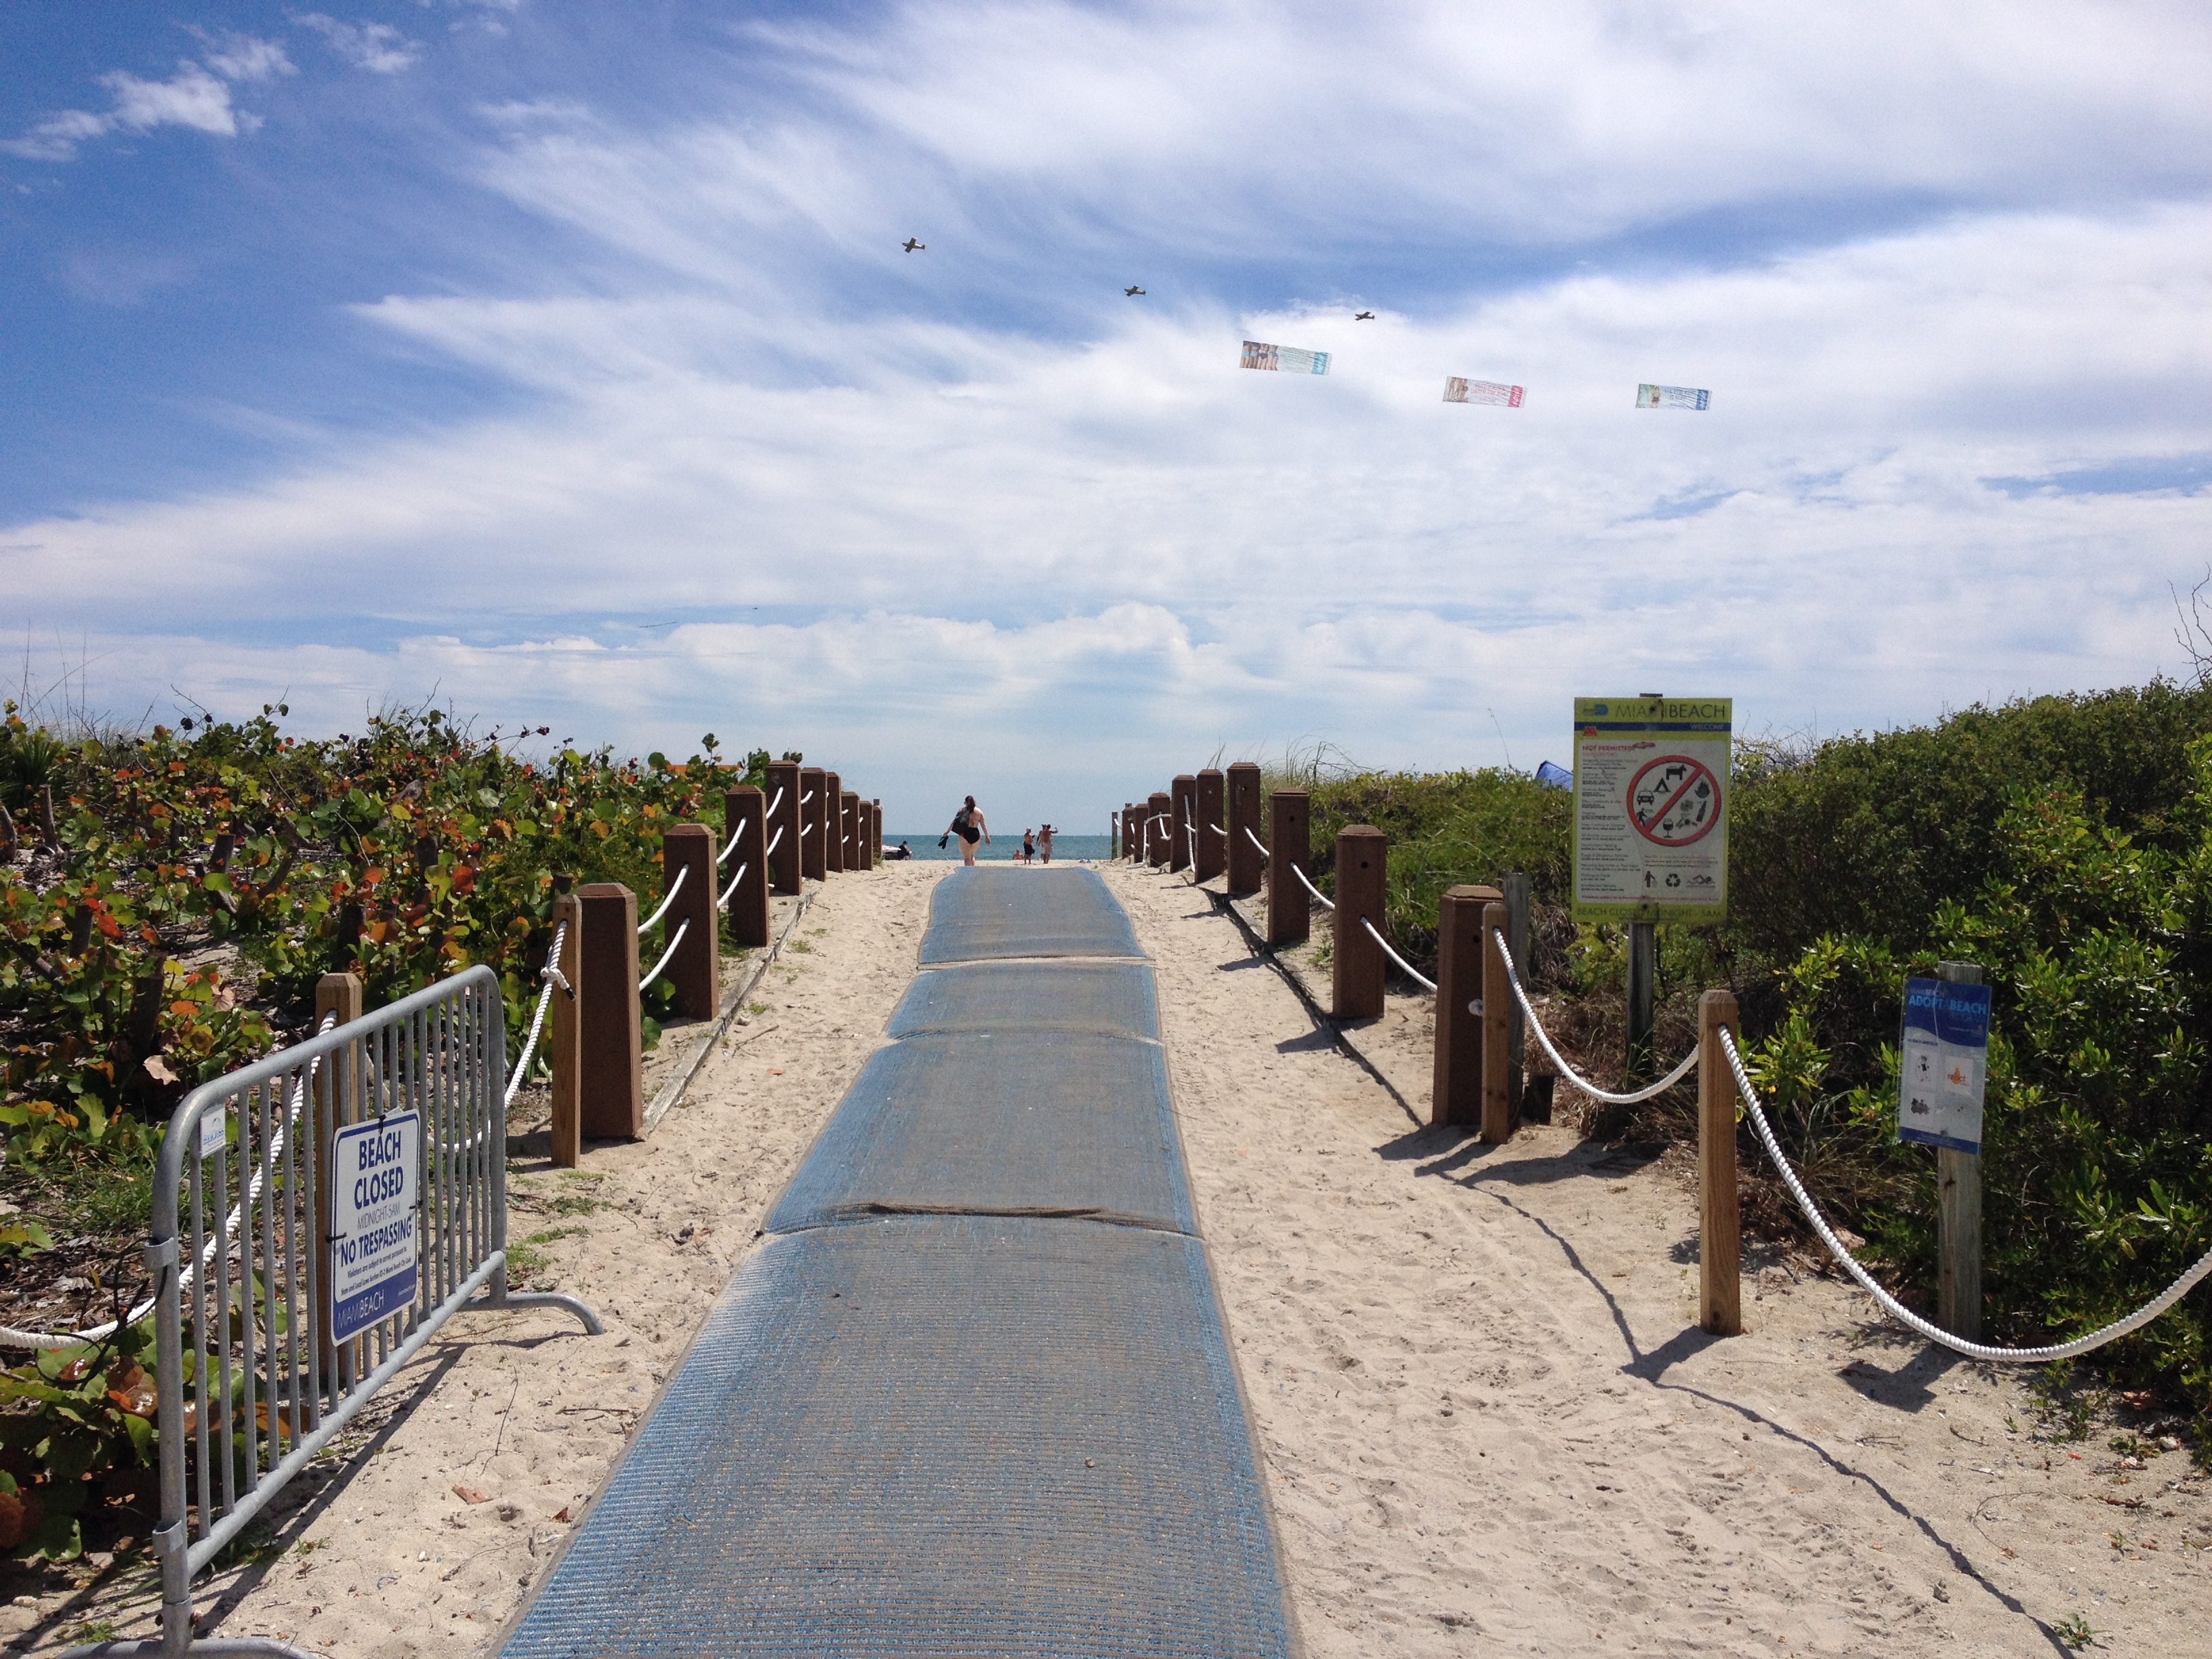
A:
1512	978
723	902
733	846
1407	967
1326	904
674	888
682	929
1904	1315
1256	841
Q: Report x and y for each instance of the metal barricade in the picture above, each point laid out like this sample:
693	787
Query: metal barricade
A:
280	1192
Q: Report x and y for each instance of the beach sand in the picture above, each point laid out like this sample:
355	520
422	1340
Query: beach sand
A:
1490	1424
1488	1420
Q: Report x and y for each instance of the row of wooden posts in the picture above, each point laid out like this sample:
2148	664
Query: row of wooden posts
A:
593	1042
1208	823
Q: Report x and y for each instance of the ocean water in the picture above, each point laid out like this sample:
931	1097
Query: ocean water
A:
1066	849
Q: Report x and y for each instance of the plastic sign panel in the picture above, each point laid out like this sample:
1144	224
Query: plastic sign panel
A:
1672	396
1650	824
1459	390
376	1186
1946	1055
1286	360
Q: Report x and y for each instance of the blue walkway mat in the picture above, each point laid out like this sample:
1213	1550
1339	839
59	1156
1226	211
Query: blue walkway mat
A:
943	1410
937	1437
1007	911
1003	996
1060	1121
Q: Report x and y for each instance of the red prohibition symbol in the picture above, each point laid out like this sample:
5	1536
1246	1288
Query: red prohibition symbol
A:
1674	800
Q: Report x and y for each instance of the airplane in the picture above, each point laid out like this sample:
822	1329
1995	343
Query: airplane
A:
1133	292
1363	317
913	247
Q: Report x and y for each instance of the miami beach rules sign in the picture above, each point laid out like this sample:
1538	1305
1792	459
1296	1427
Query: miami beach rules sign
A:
1650	824
376	1187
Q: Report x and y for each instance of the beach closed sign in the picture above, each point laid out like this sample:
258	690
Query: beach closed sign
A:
1651	822
1946	1053
376	1186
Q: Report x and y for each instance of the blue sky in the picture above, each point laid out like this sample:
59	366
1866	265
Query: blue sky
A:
562	360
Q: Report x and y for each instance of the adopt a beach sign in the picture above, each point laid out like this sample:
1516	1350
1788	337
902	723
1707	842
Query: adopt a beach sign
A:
376	1189
1946	1055
1650	819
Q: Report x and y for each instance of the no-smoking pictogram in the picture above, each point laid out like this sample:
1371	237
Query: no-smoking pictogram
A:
1674	800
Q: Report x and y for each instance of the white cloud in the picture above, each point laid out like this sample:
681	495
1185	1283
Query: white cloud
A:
246	57
190	98
1028	547
377	47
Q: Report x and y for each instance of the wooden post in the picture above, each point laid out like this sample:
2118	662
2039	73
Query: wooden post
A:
1498	1096
1720	1244
784	863
696	969
1520	895
849	826
1213	850
1183	813
745	820
1290	914
1643	987
833	823
1959	1215
864	832
1158	829
1356	960
564	1034
876	825
338	1104
813	817
1455	1092
611	1096
1244	860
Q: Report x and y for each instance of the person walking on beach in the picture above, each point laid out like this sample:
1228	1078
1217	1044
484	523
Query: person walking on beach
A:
968	824
1028	855
1044	844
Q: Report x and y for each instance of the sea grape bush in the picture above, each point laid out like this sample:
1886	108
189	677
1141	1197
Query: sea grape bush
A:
200	881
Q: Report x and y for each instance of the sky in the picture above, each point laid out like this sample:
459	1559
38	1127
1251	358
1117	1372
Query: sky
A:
560	362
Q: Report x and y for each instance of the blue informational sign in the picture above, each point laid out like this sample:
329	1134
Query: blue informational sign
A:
375	1191
1946	1052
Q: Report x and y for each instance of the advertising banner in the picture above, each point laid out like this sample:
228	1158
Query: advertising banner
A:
1459	391
1650	824
1672	396
1286	360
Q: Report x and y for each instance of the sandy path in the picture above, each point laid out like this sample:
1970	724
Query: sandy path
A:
1491	1422
375	1555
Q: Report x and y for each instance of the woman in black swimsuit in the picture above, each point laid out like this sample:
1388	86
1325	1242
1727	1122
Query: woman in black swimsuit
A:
968	824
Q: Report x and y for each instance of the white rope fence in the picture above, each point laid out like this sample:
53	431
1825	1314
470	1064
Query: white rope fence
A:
44	1341
773	805
734	840
552	976
1410	971
774	841
723	902
1904	1315
682	929
674	888
1255	841
1325	903
1689	1061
